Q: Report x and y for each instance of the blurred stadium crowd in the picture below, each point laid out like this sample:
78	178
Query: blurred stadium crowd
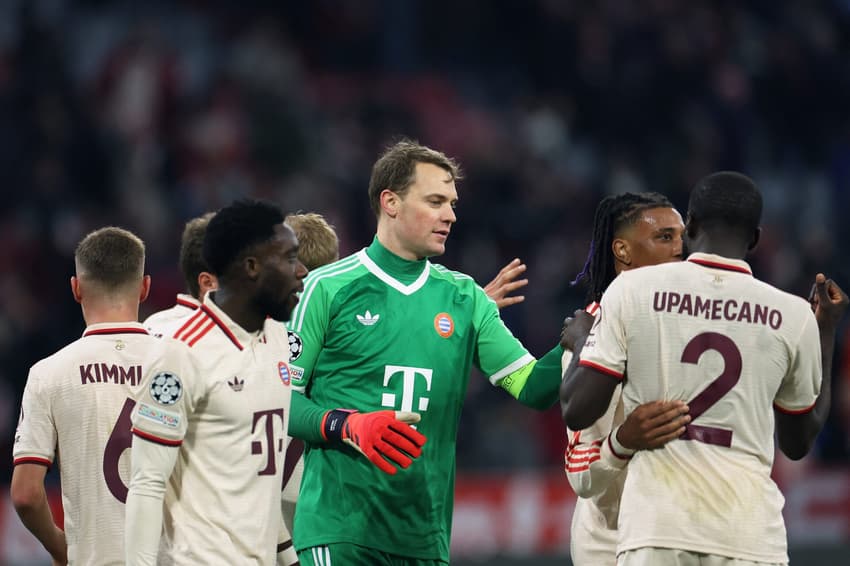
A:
145	114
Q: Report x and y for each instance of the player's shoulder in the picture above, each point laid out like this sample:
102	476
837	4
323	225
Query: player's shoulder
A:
338	273
780	298
451	276
58	359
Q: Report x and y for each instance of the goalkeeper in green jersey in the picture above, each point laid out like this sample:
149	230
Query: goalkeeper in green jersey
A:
384	333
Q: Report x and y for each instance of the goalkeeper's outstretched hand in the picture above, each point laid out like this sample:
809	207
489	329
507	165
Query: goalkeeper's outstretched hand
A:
385	437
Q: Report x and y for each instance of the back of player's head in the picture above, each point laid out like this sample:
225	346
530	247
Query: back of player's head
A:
235	229
728	200
111	258
613	214
318	243
192	252
395	169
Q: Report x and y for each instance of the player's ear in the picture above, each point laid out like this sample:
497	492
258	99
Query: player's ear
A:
252	266
206	282
622	252
75	289
390	202
145	289
755	239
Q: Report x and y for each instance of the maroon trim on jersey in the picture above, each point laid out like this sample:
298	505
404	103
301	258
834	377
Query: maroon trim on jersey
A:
221	325
102	331
188	304
33	460
281	546
601	369
717	265
156	439
592	308
793	411
614	451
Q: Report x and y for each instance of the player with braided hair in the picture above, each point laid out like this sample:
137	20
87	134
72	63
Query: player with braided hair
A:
744	354
630	230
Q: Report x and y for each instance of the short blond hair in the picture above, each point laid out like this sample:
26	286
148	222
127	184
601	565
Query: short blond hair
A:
111	257
318	243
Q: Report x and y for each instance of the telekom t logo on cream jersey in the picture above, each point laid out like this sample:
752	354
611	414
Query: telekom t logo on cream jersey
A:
409	377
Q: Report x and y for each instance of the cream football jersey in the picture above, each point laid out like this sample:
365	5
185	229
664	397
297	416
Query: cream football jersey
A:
166	322
707	332
596	472
77	403
222	503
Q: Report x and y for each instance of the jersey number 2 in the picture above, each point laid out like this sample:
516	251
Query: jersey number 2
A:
724	383
119	441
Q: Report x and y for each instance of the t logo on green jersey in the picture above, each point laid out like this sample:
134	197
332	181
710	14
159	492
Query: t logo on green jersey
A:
408	393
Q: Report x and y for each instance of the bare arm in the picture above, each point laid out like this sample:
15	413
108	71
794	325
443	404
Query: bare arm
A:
30	500
506	282
797	432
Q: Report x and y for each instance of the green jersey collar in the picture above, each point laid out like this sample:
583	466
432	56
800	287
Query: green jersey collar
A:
401	274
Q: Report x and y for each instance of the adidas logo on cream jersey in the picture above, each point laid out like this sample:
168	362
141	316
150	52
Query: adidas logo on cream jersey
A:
368	319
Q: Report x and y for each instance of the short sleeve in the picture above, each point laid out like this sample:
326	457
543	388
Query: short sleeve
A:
35	438
168	398
605	347
801	385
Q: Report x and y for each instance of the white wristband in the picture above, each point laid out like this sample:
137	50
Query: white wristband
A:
618	449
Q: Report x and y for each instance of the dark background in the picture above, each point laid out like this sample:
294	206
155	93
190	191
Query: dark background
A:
145	114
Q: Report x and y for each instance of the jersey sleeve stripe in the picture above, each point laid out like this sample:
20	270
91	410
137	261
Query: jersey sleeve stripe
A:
571	469
221	325
794	411
580	451
33	460
586	458
311	284
156	439
201	333
190	325
601	368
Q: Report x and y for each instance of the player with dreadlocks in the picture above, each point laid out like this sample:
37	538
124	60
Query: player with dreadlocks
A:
630	230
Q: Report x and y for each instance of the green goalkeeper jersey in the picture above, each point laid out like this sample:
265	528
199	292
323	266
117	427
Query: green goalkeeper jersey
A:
374	331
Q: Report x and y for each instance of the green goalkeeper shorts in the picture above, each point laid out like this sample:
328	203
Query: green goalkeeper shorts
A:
345	554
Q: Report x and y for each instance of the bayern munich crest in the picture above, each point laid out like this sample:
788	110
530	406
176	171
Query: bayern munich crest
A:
166	388
283	370
295	345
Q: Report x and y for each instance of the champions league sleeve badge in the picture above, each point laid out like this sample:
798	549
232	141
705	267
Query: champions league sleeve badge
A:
166	388
295	345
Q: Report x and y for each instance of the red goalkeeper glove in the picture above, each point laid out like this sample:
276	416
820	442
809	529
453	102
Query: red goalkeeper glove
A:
381	436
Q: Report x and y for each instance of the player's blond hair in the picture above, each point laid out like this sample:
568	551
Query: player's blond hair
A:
318	243
111	257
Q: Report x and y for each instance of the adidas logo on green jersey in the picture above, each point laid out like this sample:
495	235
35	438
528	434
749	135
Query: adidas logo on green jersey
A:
368	319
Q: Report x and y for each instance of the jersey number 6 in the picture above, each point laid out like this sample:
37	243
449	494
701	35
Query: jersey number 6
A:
119	441
732	365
